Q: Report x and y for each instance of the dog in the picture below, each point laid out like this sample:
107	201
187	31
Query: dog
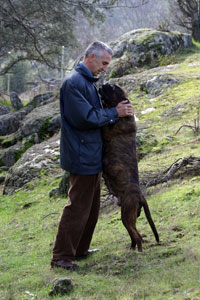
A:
120	166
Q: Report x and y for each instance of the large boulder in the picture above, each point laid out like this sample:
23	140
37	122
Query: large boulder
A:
142	47
40	124
43	156
38	121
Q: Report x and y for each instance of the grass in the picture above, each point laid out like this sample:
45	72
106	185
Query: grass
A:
5	102
170	270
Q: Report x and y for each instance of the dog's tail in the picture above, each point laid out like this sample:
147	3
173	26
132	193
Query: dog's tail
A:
149	218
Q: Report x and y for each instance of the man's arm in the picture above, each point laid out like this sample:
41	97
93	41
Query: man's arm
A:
80	113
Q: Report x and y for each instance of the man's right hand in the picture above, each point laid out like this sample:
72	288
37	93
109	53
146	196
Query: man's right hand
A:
124	109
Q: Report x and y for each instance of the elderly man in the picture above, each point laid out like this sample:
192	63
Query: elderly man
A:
82	117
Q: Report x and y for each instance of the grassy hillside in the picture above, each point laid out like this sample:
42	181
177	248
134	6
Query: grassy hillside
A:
171	270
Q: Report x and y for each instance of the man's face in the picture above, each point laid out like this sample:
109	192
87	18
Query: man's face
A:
99	64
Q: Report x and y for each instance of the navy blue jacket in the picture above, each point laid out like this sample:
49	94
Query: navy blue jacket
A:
82	117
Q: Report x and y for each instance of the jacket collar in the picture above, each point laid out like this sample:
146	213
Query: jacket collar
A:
83	70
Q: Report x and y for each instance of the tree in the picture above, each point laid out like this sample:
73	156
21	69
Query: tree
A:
36	30
187	15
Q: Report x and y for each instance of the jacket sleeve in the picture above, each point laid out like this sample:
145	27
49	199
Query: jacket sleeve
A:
80	114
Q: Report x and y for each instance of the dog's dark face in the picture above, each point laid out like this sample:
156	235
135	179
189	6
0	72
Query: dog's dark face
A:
111	95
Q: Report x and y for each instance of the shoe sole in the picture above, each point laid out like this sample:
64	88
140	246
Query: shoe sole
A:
71	268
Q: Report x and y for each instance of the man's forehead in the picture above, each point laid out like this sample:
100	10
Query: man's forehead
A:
106	57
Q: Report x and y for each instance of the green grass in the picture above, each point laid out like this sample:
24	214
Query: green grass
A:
170	270
5	102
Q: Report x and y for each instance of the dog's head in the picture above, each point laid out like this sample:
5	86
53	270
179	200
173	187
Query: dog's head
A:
111	95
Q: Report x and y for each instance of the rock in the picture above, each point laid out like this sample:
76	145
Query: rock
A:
63	187
27	127
54	193
64	184
152	82
43	156
4	110
158	84
15	101
175	110
142	47
10	122
148	110
8	157
42	99
61	286
39	120
8	140
2	179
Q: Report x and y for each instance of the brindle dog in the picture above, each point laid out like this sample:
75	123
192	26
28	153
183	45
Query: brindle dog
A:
120	166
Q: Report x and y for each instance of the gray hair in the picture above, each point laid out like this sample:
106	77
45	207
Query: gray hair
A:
98	48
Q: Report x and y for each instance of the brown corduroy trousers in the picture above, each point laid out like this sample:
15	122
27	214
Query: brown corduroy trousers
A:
79	217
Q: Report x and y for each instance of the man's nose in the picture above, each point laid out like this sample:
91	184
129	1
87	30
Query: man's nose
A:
104	68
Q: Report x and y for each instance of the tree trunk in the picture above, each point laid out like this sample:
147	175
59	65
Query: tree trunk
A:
196	27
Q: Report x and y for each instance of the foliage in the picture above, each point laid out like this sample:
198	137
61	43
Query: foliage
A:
37	30
18	77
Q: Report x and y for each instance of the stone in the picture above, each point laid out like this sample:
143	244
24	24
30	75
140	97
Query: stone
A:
42	99
8	157
61	286
2	179
15	101
10	122
63	187
4	110
40	120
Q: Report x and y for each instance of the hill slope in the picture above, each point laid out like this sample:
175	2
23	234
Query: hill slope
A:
29	218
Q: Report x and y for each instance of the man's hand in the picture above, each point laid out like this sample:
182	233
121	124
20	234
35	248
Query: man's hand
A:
124	109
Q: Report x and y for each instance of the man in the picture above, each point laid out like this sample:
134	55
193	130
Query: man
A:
82	117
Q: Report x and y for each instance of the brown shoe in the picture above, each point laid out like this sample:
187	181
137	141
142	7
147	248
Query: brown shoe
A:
67	265
90	252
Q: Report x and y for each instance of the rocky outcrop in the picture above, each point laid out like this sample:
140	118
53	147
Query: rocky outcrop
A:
152	82
43	156
142	47
10	123
28	143
38	121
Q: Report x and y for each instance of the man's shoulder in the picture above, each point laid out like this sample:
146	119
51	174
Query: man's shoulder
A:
74	78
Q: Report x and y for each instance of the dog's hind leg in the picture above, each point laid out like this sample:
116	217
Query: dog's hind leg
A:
129	217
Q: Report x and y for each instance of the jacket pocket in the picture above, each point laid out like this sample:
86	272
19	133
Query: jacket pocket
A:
90	153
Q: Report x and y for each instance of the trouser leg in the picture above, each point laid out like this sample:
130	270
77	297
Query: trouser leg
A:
74	220
87	234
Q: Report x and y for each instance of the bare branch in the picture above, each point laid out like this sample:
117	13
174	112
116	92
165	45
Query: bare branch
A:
166	175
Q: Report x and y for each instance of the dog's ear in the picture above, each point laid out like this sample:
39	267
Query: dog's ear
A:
121	95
